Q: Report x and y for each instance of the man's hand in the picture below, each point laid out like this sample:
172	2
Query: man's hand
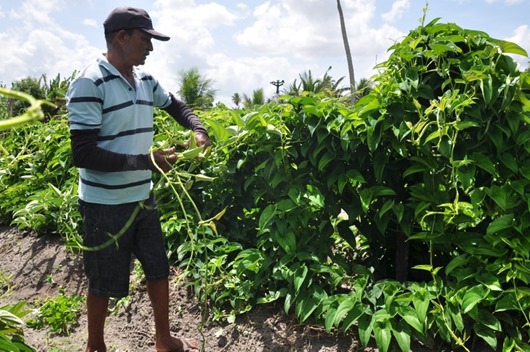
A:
163	158
202	139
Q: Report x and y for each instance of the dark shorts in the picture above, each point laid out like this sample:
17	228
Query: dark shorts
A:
108	269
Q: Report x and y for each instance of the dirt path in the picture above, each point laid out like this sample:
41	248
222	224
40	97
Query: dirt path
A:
40	265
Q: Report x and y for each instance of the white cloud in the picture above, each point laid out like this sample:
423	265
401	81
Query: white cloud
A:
36	12
90	22
310	30
275	40
398	8
37	45
190	25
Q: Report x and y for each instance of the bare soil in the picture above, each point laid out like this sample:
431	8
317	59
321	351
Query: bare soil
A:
40	265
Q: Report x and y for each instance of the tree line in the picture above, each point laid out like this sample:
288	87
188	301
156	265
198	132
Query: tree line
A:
195	89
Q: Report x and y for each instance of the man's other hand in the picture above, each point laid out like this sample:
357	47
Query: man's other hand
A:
163	158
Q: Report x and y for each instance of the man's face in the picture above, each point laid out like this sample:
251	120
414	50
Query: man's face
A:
137	46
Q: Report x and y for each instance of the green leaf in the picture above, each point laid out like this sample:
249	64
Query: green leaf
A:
486	334
510	162
487	90
512	48
325	160
472	297
287	302
414	169
6	345
352	177
365	327
343	309
310	305
499	196
456	262
462	125
501	223
314	196
457	318
220	133
9	318
383	335
490	281
507	302
525	171
410	316
373	104
426	267
402	337
474	75
421	305
287	241
489	320
285	205
484	163
373	138
420	164
299	277
266	216
433	136
442	49
330	318
353	316
22	347
389	204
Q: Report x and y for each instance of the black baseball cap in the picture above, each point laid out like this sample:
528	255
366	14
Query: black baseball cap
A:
131	18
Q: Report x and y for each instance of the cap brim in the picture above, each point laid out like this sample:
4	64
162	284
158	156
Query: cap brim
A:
156	35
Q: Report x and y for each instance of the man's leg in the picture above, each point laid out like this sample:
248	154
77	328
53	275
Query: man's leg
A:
96	314
107	268
158	291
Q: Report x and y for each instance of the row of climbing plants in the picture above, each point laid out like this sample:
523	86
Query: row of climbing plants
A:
403	219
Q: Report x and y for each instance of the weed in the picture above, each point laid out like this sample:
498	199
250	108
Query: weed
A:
57	313
5	284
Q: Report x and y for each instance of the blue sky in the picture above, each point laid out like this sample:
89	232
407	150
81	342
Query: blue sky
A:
240	45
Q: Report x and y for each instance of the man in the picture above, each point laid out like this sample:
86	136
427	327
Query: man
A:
110	108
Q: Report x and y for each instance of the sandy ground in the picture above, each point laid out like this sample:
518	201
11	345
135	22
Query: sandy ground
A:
38	266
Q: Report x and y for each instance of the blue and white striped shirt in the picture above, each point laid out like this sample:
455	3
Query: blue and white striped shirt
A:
100	98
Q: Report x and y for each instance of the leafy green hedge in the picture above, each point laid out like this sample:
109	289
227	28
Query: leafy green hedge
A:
404	218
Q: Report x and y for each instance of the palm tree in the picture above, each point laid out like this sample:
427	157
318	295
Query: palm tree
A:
310	84
258	98
292	89
325	85
348	52
307	84
196	90
332	87
236	99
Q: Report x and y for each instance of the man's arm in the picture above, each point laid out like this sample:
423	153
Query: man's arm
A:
87	154
186	118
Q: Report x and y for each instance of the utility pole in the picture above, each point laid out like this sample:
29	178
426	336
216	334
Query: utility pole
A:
277	84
